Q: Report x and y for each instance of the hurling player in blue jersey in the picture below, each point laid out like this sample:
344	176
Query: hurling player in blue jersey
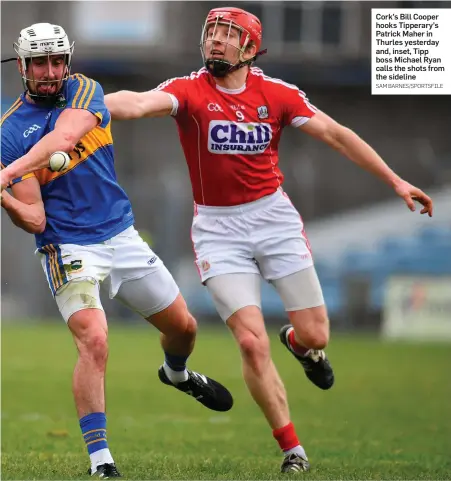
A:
83	223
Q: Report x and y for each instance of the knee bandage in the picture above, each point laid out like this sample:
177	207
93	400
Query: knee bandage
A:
78	294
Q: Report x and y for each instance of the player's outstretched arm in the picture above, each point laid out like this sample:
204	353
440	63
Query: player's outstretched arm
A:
347	142
70	127
127	105
25	208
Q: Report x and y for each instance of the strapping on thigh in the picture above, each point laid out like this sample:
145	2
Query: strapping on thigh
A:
78	294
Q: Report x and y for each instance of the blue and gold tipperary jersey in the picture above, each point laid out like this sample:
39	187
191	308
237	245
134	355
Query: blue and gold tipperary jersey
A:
84	204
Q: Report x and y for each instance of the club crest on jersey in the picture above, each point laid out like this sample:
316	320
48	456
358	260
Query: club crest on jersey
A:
61	102
238	138
262	112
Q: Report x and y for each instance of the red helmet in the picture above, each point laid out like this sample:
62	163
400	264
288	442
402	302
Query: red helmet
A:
249	25
250	29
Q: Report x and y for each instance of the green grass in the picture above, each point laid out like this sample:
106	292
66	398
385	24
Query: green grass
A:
387	417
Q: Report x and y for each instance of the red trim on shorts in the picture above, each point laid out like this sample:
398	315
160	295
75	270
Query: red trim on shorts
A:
195	255
307	242
192	243
304	234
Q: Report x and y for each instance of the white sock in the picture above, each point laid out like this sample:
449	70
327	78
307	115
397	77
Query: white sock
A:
102	456
299	450
175	376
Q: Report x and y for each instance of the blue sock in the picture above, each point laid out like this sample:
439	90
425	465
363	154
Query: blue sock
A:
93	427
176	363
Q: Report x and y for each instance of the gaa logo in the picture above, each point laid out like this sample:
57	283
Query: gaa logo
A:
238	138
214	107
30	130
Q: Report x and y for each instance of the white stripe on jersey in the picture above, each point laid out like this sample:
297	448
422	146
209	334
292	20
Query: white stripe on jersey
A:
259	72
193	76
175	100
298	121
175	104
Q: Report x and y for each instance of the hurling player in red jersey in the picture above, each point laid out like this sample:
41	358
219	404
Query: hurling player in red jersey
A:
230	116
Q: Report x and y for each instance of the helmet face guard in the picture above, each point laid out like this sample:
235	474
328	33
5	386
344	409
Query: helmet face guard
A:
249	29
43	41
29	78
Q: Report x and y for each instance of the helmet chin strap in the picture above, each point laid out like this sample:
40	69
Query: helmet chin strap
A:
220	68
44	100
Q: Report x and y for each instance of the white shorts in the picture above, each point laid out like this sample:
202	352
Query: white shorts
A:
124	257
263	237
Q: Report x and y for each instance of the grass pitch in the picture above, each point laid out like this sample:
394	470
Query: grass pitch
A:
387	417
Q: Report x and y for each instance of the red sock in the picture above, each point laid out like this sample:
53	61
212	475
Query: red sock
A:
286	437
298	349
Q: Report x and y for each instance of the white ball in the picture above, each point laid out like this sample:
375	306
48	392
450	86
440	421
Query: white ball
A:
59	162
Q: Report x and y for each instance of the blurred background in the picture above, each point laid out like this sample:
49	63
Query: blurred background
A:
383	269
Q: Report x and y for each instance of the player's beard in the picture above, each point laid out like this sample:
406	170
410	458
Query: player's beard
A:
44	91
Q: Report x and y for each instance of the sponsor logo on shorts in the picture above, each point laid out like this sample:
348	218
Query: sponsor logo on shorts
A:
238	138
152	260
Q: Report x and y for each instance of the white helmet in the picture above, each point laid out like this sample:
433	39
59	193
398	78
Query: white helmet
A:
43	39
